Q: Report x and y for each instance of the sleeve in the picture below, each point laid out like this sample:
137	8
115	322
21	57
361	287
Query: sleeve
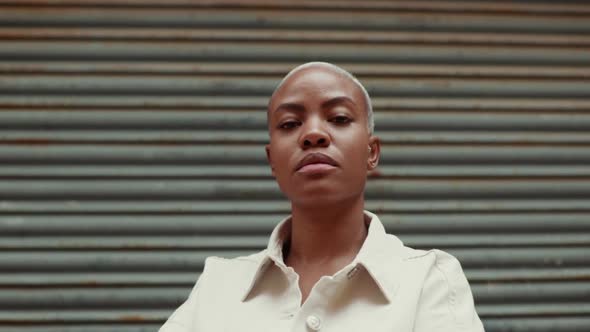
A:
446	303
183	318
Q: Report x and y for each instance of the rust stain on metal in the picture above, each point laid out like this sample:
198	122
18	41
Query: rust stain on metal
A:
91	283
132	318
28	141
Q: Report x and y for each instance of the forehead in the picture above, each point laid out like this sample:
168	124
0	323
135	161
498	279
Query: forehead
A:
316	82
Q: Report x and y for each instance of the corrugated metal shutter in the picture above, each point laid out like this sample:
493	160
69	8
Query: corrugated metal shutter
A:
132	132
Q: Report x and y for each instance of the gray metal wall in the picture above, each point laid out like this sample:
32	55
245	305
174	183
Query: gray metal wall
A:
132	132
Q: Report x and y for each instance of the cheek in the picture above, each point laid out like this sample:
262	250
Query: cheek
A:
281	156
355	153
354	145
283	144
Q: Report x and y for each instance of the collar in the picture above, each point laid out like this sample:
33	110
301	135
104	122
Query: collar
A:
378	254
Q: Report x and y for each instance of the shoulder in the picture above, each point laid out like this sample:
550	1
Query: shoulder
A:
224	280
431	283
221	284
414	267
437	268
435	282
445	298
440	268
232	266
230	275
433	258
444	273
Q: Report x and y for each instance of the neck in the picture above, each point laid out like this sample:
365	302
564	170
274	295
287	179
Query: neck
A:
326	234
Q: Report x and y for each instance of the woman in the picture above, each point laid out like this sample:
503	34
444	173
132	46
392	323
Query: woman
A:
329	266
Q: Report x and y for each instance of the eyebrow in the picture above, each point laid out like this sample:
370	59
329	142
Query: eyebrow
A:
295	107
338	100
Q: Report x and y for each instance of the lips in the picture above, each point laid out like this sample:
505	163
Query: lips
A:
315	158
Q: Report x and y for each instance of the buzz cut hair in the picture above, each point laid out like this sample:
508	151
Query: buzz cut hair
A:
343	72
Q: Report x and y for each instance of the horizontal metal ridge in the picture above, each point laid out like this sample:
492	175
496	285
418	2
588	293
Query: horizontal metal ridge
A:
573	293
276	69
211	103
250	206
224	171
295	35
179	260
538	324
483	21
252	86
280	52
80	279
130	323
231	190
431	154
528	8
186	241
419	155
516	224
255	120
229	137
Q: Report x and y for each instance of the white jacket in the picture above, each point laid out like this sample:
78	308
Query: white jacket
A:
387	287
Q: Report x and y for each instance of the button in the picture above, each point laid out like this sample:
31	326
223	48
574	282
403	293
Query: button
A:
314	322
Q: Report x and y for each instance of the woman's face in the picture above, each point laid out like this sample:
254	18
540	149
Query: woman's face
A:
319	140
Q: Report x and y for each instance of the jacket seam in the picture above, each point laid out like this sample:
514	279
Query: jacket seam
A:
449	295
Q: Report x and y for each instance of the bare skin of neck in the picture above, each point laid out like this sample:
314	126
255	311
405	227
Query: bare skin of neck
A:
324	240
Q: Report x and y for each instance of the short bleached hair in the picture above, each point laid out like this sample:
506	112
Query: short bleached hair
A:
338	70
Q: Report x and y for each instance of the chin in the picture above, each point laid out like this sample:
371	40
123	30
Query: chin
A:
316	201
325	196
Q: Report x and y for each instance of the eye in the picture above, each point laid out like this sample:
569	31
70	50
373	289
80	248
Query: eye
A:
289	124
340	119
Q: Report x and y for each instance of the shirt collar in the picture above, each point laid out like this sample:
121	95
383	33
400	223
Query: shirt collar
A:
378	254
272	253
381	255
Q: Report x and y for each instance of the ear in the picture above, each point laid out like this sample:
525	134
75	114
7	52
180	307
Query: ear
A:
374	153
272	166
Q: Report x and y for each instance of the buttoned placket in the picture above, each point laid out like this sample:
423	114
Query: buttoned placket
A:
290	306
311	315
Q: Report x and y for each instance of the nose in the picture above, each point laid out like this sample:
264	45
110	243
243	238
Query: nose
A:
314	135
